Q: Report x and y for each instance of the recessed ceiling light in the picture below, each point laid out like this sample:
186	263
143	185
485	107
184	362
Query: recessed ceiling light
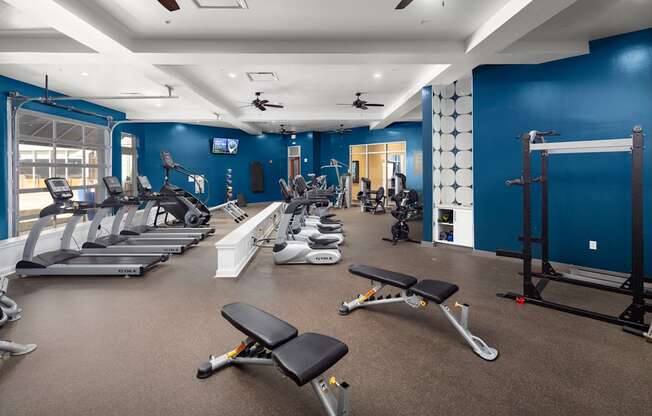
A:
158	104
232	75
84	74
378	75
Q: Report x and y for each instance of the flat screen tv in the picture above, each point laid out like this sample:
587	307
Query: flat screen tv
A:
222	146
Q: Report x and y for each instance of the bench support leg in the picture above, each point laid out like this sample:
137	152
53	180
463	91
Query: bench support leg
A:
245	353
335	404
14	348
461	325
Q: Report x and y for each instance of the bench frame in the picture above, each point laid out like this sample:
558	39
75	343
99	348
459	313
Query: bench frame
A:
460	324
333	395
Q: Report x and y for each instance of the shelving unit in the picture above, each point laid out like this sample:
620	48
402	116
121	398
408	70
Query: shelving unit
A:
460	225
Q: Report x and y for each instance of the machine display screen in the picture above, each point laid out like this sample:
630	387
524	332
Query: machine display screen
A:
59	185
222	146
113	184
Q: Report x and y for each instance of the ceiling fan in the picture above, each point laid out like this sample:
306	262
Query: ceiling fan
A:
286	131
171	5
361	104
341	130
262	105
404	3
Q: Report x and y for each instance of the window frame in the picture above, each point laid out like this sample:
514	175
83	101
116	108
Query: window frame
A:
133	152
102	146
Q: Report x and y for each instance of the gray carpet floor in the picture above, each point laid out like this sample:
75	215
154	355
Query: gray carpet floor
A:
114	346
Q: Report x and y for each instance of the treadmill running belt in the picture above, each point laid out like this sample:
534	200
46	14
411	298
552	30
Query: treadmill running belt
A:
145	260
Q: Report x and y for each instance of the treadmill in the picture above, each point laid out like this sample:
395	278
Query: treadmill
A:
116	243
140	226
66	261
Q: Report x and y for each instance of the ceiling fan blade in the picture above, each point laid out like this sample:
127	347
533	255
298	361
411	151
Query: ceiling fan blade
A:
374	105
171	5
263	102
273	105
403	4
245	106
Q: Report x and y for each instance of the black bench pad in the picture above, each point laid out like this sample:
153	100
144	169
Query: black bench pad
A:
434	290
387	277
266	329
326	230
323	240
330	221
329	215
308	355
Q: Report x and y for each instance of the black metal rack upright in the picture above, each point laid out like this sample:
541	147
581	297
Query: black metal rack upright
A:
633	317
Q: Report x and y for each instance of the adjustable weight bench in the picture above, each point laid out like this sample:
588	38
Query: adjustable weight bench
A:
416	294
271	341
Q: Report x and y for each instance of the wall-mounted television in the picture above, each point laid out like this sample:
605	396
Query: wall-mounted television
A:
223	146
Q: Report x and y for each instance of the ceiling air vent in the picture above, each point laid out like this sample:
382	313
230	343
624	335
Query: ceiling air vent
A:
221	4
262	76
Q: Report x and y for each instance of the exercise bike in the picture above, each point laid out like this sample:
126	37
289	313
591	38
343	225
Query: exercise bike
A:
400	229
187	208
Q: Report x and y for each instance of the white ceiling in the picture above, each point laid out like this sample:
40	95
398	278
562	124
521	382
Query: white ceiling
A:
595	19
305	19
322	50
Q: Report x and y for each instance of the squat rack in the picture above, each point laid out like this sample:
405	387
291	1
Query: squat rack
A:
632	319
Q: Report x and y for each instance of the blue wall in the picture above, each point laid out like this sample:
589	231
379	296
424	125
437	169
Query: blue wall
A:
190	147
309	151
8	85
336	146
597	96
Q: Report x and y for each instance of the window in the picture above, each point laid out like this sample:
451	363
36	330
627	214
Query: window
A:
48	147
129	162
378	162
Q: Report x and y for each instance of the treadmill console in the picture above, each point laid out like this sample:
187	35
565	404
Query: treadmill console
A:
58	188
143	184
168	162
113	185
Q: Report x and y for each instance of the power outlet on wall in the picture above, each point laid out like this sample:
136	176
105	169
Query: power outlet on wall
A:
593	245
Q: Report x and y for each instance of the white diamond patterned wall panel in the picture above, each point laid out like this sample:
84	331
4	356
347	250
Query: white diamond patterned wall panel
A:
436	162
436	123
464	177
436	141
447	124
464	159
464	141
447	107
436	105
447	177
447	160
464	122
448	91
447	195
464	105
447	142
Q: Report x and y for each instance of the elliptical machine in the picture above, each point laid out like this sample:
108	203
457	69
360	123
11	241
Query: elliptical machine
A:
9	312
288	251
187	208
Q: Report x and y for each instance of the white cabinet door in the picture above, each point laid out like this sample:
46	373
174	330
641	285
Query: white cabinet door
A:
463	226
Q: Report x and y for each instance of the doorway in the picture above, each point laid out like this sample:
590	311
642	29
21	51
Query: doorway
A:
378	162
129	163
294	161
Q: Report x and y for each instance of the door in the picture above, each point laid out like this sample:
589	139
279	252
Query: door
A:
294	161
